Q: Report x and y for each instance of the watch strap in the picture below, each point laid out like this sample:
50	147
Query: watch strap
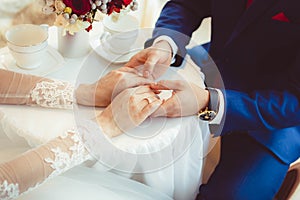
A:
213	100
211	110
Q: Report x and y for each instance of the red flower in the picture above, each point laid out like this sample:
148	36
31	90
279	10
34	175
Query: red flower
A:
127	2
79	7
89	28
91	24
117	5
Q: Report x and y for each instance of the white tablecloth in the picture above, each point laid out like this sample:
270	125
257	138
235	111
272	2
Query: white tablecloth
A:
182	141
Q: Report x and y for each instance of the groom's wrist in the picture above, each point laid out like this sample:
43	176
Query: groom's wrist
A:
210	111
171	44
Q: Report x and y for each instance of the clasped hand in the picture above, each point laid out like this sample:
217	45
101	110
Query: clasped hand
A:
130	94
187	98
127	97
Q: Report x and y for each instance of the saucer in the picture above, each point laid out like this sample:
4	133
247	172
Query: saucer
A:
113	57
52	61
110	56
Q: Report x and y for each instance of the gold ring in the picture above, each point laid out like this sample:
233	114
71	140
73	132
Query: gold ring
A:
148	100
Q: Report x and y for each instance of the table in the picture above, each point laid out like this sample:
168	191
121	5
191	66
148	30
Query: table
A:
181	140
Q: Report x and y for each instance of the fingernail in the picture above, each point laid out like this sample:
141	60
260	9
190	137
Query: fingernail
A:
146	74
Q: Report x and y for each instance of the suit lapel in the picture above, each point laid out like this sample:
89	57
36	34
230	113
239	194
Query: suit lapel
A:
251	14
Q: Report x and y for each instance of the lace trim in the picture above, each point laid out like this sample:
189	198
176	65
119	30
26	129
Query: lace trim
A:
64	160
9	191
55	94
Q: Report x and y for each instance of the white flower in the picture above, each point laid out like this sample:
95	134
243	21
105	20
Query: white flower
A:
48	10
59	6
61	21
49	2
77	26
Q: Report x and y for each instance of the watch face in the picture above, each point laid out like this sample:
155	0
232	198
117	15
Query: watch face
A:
207	115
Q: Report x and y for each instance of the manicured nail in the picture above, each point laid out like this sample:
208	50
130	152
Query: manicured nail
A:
146	74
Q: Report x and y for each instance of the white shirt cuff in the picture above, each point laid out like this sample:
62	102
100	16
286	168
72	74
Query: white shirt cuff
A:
171	43
219	116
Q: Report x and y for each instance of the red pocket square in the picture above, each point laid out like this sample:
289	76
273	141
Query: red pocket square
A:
281	17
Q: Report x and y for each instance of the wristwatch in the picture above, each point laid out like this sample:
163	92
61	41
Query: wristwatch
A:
210	112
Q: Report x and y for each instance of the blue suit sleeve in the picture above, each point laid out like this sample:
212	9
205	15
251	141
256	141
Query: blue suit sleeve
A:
265	110
261	110
178	20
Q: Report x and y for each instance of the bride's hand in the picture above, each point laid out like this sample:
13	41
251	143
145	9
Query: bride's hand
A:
128	110
102	92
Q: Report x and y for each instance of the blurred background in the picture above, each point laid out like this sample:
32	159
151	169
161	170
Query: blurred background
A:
30	11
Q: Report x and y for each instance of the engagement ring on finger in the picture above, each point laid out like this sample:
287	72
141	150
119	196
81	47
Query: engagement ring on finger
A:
149	100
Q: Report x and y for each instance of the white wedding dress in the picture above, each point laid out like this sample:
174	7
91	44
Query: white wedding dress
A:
82	182
86	183
58	169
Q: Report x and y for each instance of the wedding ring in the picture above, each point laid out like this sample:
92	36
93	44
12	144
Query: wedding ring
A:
149	100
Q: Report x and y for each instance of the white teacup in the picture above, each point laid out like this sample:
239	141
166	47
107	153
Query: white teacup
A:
119	36
27	44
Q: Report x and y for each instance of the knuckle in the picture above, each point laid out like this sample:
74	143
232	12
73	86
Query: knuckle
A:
177	110
173	114
135	117
114	72
178	83
132	108
139	115
118	74
172	105
132	100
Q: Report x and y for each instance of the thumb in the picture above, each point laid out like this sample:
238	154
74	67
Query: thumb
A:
142	81
149	65
136	60
169	84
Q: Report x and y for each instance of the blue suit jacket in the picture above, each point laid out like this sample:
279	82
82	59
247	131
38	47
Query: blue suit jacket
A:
259	60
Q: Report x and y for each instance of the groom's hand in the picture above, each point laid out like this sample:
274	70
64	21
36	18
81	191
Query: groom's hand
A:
102	92
153	61
187	98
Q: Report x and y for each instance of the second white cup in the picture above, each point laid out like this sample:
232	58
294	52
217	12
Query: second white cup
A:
119	35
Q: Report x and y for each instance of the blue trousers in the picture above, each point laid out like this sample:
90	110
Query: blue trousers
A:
247	169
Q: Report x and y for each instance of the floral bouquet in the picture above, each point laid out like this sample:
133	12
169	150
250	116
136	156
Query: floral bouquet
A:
77	15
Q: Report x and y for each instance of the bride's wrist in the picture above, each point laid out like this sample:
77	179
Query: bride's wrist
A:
52	94
107	123
84	95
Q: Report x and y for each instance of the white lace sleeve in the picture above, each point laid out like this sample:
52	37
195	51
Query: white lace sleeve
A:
9	191
16	88
53	94
34	167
